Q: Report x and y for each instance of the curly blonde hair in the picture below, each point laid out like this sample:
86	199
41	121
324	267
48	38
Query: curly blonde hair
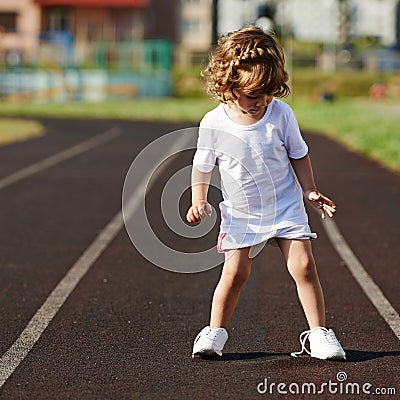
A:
250	60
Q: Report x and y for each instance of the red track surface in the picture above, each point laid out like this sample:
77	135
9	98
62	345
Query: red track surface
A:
126	331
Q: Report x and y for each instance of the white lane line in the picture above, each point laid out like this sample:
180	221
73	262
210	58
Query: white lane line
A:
39	322
60	157
370	288
11	359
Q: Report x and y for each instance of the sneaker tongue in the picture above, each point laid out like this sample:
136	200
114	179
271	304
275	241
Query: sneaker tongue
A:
327	335
319	331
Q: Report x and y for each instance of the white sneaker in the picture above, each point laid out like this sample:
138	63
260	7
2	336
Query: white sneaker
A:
210	342
323	344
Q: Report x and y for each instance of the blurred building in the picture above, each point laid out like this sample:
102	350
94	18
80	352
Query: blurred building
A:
196	25
162	20
324	20
233	14
377	18
19	27
86	49
24	23
196	31
316	20
92	20
79	23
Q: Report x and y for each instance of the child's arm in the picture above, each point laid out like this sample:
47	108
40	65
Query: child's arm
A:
200	207
303	169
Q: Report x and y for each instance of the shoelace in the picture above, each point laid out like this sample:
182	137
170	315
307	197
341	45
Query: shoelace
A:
214	333
329	337
211	333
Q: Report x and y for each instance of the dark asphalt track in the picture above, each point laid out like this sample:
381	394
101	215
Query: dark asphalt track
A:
126	331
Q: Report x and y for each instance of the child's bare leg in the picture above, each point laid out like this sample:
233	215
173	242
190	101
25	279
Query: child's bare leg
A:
301	265
234	275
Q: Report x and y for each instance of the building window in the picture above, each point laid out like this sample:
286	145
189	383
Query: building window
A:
59	20
196	1
191	26
56	19
96	31
8	22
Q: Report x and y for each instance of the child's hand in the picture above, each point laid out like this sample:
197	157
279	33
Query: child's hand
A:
198	211
323	203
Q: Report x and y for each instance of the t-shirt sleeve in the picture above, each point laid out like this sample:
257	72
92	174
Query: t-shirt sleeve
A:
294	142
205	157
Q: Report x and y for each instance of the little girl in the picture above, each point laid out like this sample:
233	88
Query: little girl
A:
265	169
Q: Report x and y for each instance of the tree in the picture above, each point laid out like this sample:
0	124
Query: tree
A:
344	23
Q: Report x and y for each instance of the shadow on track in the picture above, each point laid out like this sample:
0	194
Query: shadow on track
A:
251	356
359	356
353	356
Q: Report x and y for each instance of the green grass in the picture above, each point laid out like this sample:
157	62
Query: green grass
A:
162	109
371	129
14	130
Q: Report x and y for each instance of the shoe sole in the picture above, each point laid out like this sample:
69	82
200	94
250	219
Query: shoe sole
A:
207	354
332	357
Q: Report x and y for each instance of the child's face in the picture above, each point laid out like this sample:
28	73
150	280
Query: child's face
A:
252	103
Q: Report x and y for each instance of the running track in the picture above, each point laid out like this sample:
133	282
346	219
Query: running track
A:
125	330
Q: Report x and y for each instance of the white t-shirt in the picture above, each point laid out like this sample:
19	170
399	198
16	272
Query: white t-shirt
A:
260	191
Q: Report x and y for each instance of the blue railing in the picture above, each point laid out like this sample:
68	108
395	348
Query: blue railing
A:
104	70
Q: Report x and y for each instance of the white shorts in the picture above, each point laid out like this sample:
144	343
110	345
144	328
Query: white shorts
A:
256	242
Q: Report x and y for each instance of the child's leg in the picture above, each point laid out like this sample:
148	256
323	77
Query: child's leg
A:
234	275
301	265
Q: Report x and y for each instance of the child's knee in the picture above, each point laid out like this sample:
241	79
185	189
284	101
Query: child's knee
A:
237	278
302	268
236	269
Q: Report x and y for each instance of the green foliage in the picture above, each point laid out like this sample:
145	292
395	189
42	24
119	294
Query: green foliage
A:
187	82
366	42
306	82
342	84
